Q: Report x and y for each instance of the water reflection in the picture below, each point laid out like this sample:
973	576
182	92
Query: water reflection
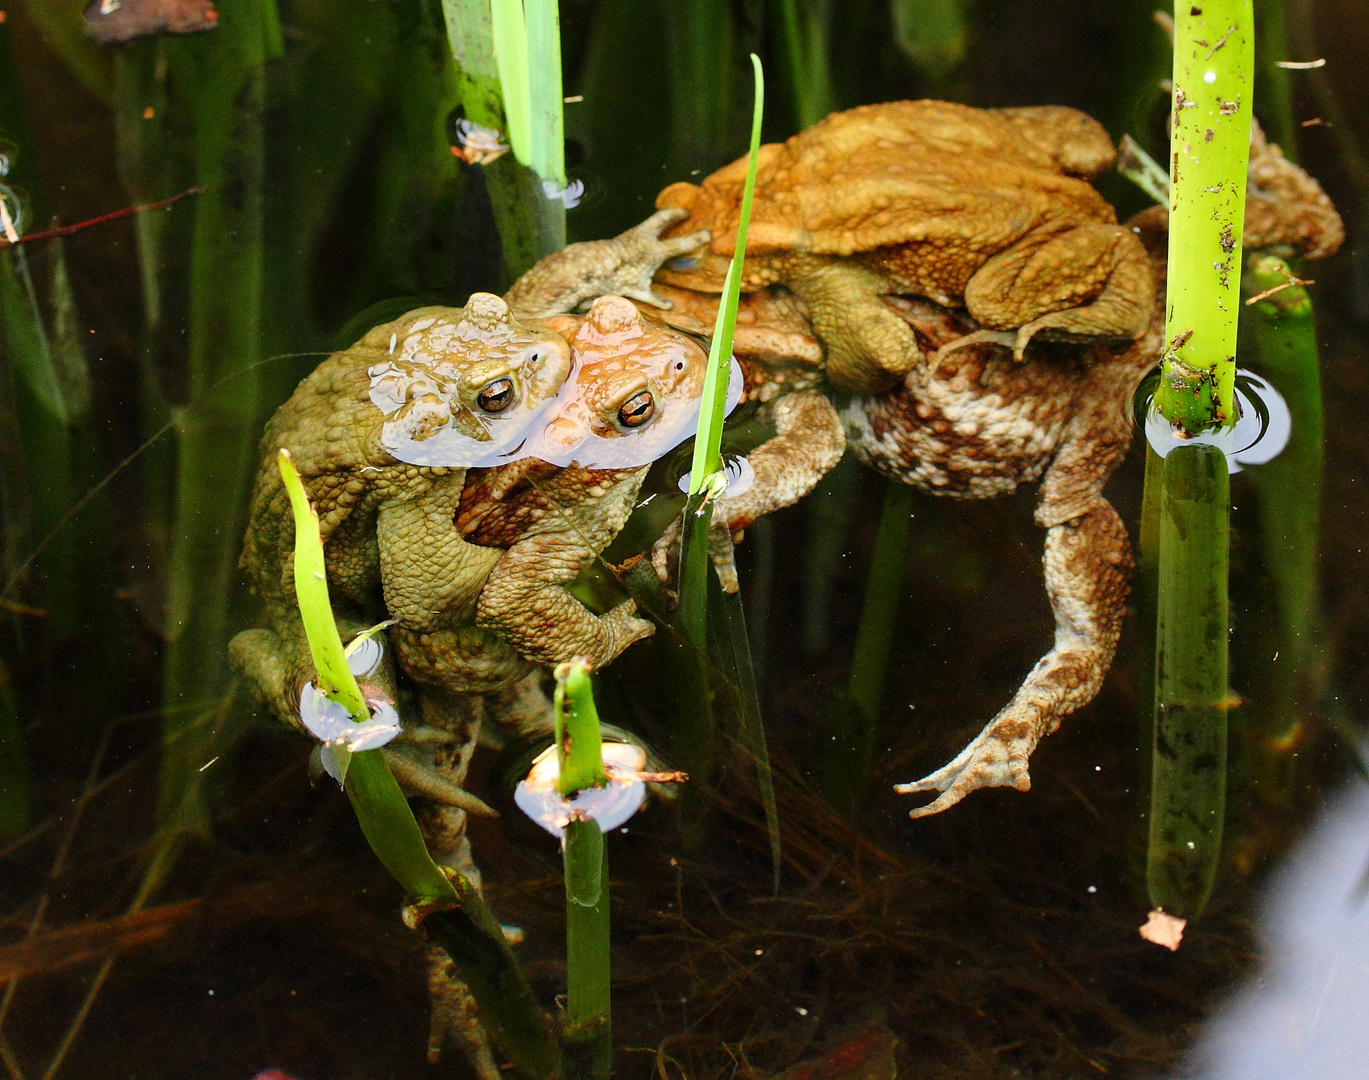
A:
1260	435
1301	1014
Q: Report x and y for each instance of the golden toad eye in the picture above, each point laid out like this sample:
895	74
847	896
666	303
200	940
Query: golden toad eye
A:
497	396
637	410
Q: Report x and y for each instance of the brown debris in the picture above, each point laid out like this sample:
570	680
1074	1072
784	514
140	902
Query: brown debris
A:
113	22
1165	930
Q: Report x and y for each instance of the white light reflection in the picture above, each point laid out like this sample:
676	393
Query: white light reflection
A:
1302	1014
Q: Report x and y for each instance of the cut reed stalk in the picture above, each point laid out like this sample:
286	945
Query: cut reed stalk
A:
1209	153
587	1042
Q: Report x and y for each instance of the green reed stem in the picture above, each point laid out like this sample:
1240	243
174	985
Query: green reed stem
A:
702	38
1273	84
705	479
587	1048
852	714
1213	79
222	77
807	24
688	693
462	924
932	33
1283	348
1188	790
44	417
530	224
1210	149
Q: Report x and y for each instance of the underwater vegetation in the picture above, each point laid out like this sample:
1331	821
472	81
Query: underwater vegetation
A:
648	426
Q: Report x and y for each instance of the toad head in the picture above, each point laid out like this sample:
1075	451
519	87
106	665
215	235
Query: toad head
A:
634	394
464	390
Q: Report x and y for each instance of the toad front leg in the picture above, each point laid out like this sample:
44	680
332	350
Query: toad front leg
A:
808	443
525	601
621	266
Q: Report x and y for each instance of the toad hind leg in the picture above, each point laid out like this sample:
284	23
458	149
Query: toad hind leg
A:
1087	563
1091	283
869	348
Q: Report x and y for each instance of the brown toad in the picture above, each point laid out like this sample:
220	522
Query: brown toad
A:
963	206
387	525
546	522
976	424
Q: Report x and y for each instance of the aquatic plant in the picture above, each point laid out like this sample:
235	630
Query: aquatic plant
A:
1210	146
223	79
587	1043
508	56
706	478
447	905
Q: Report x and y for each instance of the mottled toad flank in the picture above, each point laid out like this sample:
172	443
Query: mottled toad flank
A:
986	209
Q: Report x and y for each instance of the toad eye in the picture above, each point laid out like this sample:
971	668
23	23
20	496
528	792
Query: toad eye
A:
637	410
497	396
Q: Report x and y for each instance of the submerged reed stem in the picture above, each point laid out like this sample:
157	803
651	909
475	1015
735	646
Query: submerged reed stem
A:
587	1049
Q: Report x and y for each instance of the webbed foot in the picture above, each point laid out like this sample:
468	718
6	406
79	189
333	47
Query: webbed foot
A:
621	266
424	780
665	553
997	757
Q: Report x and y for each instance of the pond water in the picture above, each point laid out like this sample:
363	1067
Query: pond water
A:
178	899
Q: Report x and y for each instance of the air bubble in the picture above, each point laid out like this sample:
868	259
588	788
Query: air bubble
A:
12	214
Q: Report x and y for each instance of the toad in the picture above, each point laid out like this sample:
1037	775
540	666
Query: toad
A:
989	209
383	433
545	522
975	424
387	525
